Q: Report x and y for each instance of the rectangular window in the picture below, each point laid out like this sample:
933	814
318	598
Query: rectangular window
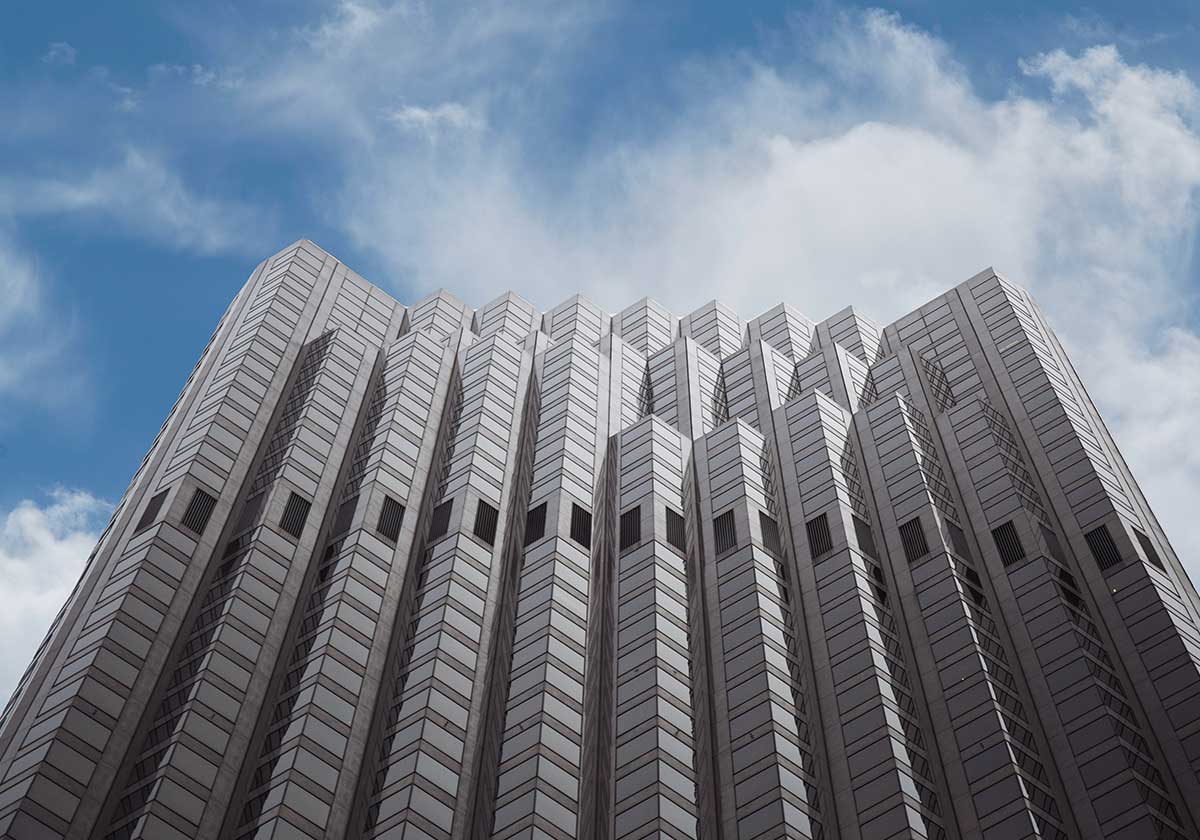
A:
390	517
440	521
631	528
770	534
295	514
199	509
1103	549
865	537
912	536
581	526
535	524
1008	543
486	518
150	514
958	539
725	532
345	516
1052	544
1150	550
820	541
676	531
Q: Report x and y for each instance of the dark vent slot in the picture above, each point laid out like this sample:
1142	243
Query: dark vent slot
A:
1052	544
150	514
581	526
912	536
770	534
1149	549
390	517
676	530
486	518
1008	543
725	532
441	519
535	524
199	509
1104	550
631	528
866	538
958	540
820	541
295	514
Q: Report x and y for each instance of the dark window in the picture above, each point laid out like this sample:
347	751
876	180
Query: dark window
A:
151	512
676	530
866	538
295	514
535	524
770	534
581	526
820	541
1149	549
1104	550
345	516
1052	544
486	518
725	532
390	517
912	535
441	519
958	540
1008	543
631	528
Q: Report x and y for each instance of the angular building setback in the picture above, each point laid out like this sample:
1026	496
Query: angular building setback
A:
428	572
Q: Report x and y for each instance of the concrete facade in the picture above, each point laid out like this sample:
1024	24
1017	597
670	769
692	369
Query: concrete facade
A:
428	572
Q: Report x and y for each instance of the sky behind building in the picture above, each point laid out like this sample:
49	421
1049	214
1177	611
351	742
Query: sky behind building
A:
812	153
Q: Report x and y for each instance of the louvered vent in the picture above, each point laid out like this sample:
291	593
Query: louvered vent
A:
535	524
866	538
390	517
725	532
912	536
820	541
440	521
295	514
631	528
1008	543
770	534
676	531
150	514
1103	549
581	526
199	509
486	518
1150	550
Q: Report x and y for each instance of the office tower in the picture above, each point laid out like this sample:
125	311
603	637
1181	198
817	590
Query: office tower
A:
424	571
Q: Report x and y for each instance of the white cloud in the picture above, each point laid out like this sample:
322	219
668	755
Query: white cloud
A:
42	551
60	52
142	194
448	116
875	173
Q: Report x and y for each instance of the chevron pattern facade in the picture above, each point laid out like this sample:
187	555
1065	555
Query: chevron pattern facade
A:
426	572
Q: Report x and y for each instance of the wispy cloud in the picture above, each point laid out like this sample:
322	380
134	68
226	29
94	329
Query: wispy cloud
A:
38	342
143	195
60	52
43	547
448	116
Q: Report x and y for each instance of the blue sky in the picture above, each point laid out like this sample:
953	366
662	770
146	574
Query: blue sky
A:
823	154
